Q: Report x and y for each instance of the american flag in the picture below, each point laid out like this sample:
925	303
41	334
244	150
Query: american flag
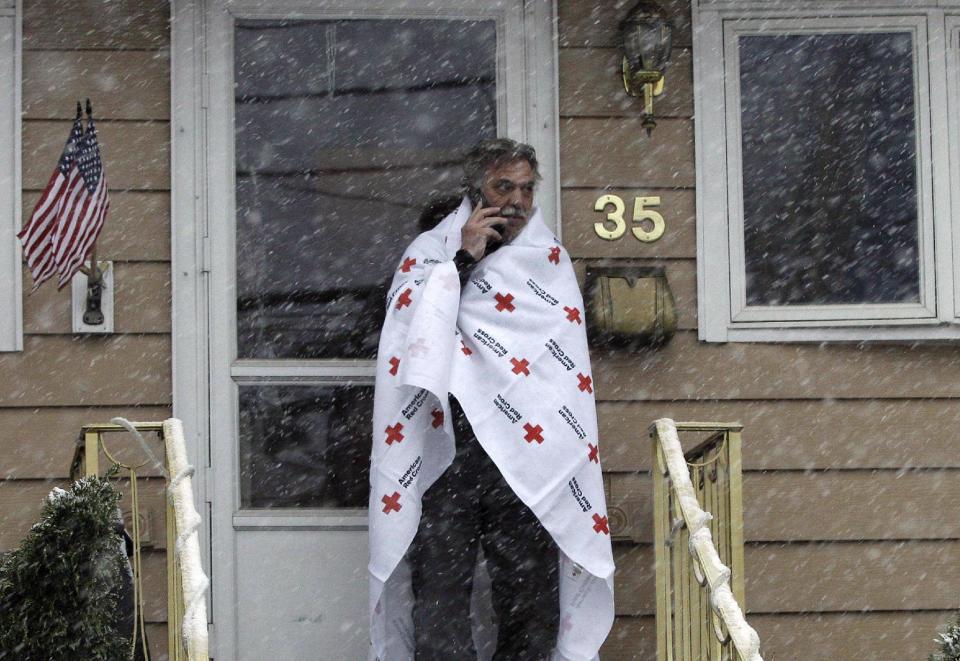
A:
67	220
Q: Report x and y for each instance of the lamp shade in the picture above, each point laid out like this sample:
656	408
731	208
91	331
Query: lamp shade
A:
645	38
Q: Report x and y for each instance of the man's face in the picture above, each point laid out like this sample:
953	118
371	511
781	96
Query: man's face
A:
511	184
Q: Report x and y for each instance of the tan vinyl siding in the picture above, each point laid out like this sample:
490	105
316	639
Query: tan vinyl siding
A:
814	577
801	434
597	152
838	635
579	237
585	94
131	84
95	25
849	456
63	370
136	154
141	297
593	23
688	369
38	443
26	498
818	505
116	53
139	228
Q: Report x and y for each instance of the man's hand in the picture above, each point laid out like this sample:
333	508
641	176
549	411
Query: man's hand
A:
477	232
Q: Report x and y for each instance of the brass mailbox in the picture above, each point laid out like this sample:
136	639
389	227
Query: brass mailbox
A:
630	305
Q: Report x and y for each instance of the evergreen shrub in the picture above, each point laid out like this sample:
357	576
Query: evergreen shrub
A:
948	643
59	589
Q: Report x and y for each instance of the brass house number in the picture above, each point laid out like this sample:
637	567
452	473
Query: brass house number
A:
648	224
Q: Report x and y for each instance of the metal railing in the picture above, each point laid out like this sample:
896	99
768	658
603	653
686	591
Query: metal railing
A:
186	581
698	538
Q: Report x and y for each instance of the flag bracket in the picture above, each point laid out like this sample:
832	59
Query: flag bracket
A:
92	302
93	312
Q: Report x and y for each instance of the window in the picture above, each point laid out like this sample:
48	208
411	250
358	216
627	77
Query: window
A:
336	158
11	314
823	172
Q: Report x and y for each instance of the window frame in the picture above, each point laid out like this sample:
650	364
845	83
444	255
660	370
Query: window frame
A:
723	313
11	280
952	40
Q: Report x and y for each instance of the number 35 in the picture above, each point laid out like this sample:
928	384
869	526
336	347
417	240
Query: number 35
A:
640	214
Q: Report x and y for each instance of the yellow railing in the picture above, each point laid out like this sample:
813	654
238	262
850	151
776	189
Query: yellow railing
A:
186	582
698	538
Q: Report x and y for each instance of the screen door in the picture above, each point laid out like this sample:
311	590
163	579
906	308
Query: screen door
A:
335	137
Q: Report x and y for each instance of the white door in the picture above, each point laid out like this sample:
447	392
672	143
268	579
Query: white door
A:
329	127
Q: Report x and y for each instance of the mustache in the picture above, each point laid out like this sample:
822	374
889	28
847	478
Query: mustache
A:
512	211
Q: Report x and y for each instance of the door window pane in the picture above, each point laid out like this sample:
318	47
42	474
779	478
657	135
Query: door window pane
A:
829	144
345	130
305	446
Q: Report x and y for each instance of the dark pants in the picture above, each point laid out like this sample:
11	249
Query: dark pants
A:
471	505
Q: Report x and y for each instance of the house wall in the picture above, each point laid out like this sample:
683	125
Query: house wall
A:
117	54
850	452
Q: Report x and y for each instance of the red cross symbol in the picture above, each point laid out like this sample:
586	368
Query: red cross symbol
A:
520	366
393	434
395	362
437	418
504	302
465	349
392	503
419	348
408	263
534	433
586	383
404	298
450	281
554	255
594	453
573	315
600	524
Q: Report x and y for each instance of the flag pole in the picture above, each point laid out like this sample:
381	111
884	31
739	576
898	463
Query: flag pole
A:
83	269
94	276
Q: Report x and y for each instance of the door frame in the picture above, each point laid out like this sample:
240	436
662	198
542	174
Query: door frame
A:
200	266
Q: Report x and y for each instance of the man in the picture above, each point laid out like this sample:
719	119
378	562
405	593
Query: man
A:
485	437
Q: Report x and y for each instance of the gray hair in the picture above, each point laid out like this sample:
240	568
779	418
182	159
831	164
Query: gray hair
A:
492	153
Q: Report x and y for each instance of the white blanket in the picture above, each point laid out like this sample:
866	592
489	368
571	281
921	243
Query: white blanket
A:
511	347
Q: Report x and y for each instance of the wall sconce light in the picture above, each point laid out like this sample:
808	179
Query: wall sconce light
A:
629	306
645	39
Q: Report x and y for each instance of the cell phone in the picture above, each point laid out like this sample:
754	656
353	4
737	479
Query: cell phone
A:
478	200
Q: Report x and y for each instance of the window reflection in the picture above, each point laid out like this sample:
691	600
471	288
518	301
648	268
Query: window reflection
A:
344	131
829	169
305	446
